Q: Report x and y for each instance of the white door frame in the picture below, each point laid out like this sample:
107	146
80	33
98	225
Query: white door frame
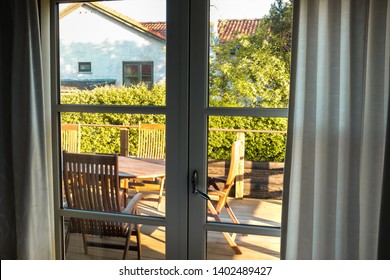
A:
186	123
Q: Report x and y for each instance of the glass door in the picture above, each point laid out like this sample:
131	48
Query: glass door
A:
218	89
239	86
119	74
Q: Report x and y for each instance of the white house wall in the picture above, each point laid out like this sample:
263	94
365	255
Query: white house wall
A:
86	36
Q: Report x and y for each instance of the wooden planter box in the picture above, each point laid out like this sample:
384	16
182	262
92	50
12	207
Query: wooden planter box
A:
261	179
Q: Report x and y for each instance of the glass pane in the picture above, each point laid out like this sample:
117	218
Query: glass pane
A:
245	169
252	247
91	141
109	34
103	244
134	80
146	69
131	70
147	79
127	81
250	53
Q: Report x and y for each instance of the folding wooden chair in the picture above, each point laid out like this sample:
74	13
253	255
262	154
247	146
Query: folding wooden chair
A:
221	193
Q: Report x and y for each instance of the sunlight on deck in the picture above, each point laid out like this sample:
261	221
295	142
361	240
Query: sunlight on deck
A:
248	211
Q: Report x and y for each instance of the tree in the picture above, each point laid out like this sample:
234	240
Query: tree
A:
277	28
248	71
254	70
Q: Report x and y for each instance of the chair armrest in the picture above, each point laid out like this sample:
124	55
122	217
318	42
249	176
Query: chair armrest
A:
218	179
132	205
212	182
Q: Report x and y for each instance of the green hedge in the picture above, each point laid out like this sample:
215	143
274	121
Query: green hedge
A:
258	146
107	140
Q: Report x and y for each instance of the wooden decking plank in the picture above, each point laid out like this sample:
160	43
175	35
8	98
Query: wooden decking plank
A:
265	212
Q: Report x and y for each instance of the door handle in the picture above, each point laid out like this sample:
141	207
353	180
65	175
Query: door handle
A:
194	180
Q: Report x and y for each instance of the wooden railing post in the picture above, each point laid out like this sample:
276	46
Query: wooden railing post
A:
240	166
124	142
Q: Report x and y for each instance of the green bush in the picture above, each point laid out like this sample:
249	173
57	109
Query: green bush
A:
107	140
258	146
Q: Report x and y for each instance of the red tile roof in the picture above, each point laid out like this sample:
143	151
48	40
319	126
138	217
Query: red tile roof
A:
159	27
229	28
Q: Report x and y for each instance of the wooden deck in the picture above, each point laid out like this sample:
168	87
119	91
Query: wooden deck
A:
248	211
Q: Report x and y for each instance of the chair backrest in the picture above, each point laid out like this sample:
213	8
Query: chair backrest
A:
234	160
151	141
70	138
91	182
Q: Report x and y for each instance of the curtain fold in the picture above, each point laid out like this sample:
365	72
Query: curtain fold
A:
384	226
337	138
25	217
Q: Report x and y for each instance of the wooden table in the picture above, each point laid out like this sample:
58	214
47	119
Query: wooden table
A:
142	168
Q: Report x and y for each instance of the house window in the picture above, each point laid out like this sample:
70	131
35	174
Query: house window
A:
137	72
85	67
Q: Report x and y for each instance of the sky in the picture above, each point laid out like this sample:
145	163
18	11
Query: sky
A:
154	10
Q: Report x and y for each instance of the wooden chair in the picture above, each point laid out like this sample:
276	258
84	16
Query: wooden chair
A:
151	145
151	141
91	182
220	194
70	138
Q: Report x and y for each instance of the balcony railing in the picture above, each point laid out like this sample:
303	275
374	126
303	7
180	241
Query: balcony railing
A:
256	179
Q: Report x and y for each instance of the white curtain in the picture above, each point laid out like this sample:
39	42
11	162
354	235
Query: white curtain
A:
337	133
26	230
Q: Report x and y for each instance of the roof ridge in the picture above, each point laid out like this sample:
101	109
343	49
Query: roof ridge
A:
153	21
239	19
113	14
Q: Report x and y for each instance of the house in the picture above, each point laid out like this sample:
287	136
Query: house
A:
336	203
111	48
108	48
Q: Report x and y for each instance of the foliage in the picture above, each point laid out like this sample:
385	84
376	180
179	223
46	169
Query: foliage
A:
276	29
253	70
253	77
103	139
247	71
264	146
112	95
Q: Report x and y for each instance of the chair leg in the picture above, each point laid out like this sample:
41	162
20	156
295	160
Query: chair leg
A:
160	194
231	213
127	243
233	216
67	238
135	186
85	243
136	229
125	191
229	238
138	239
